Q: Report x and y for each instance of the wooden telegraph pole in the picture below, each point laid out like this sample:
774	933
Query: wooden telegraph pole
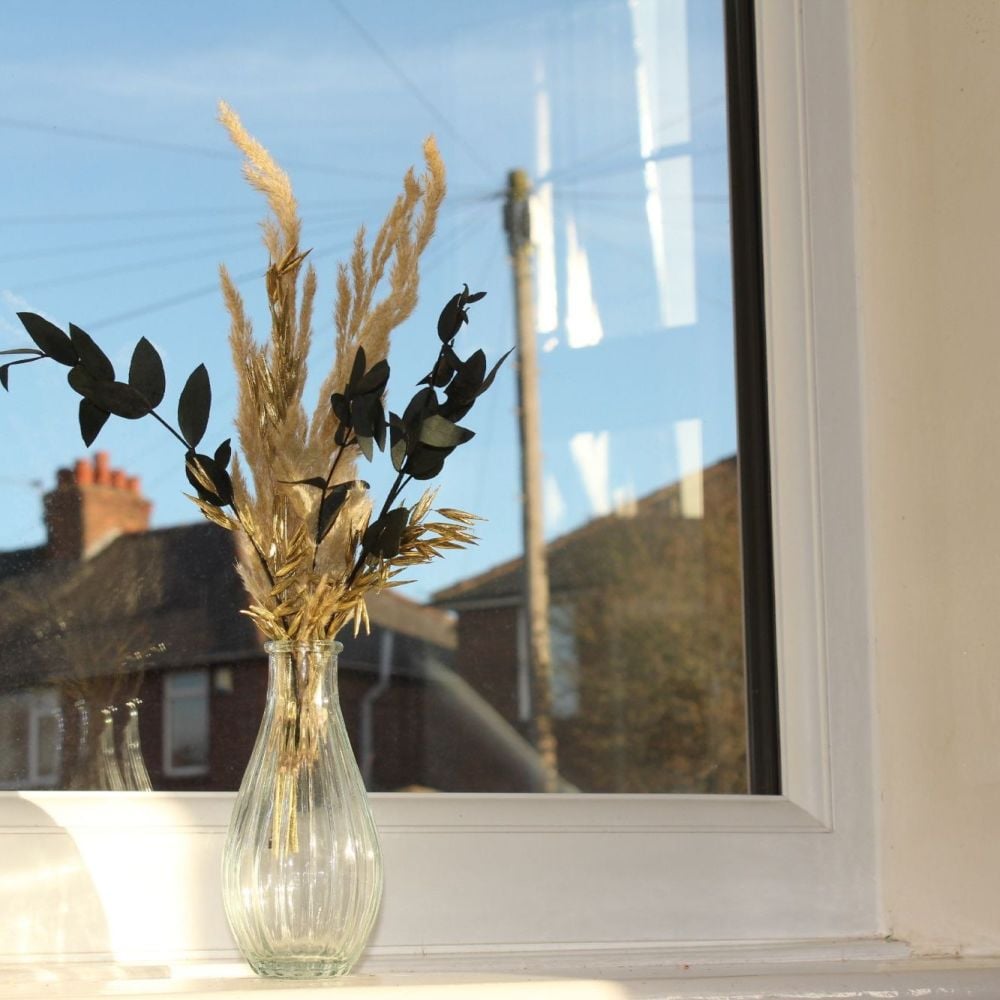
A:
516	217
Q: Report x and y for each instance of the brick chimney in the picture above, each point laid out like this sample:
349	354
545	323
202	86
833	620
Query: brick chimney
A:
91	505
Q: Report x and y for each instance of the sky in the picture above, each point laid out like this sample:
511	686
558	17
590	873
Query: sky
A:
121	195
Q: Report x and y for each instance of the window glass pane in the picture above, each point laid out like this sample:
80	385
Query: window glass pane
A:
47	737
188	729
621	667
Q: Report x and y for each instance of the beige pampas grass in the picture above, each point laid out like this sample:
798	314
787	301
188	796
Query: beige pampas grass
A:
303	587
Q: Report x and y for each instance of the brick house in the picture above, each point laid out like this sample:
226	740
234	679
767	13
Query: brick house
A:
109	618
646	636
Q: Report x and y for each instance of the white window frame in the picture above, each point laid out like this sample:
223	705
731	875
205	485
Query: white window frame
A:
170	696
494	873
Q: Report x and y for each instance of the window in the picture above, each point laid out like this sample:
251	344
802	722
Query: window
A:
565	674
666	867
185	723
31	735
651	487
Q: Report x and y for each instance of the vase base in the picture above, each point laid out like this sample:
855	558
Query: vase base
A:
299	967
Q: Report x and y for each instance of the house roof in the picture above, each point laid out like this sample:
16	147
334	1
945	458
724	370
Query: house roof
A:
174	588
17	561
504	583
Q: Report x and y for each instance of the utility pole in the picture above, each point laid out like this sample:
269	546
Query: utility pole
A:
516	215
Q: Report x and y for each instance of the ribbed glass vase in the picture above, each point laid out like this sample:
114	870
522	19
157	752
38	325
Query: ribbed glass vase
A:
302	868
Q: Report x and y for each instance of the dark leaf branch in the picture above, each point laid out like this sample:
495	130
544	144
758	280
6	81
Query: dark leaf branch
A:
92	376
420	440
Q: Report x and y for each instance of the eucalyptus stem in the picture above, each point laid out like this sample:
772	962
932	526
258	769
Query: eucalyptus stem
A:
160	419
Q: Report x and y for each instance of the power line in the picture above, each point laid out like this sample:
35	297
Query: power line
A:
631	141
638	195
64	218
195	293
201	292
62	132
204	290
408	82
143	265
136	241
112	272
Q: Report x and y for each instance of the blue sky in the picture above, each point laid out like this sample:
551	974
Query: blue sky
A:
121	196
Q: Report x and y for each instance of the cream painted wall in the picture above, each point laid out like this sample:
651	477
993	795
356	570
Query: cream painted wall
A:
928	178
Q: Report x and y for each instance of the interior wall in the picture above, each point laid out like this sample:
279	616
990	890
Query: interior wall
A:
928	178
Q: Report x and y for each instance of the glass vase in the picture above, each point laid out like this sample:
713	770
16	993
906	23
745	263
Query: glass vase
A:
134	772
301	867
109	774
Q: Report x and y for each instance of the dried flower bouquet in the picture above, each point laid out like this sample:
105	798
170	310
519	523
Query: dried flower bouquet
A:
310	549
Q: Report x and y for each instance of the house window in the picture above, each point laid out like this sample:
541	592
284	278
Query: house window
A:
31	736
185	723
565	674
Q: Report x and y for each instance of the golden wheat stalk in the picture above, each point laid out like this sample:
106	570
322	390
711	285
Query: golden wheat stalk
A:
302	586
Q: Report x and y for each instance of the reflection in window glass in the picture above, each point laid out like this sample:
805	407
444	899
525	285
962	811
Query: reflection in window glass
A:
44	741
14	743
112	595
187	722
30	739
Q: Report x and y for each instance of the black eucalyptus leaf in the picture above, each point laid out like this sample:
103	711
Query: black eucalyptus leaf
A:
91	356
423	403
384	535
357	372
488	381
92	419
333	502
116	398
368	419
455	313
425	462
194	406
450	321
317	482
397	442
469	385
145	373
473	371
221	492
442	371
224	453
374	380
24	350
366	445
49	338
341	408
379	427
4	376
440	432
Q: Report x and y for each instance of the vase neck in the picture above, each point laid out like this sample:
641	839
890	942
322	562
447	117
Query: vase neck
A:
303	670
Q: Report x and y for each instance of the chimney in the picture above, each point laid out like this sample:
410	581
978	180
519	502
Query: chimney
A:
91	505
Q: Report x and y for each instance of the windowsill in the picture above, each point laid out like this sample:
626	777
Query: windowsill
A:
878	969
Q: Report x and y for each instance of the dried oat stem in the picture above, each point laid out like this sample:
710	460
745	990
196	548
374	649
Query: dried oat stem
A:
306	582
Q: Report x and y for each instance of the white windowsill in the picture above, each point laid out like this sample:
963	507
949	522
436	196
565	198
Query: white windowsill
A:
817	970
